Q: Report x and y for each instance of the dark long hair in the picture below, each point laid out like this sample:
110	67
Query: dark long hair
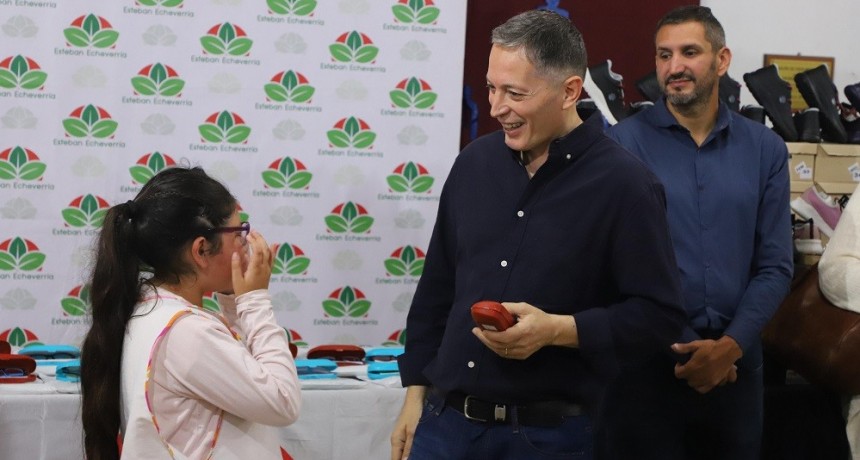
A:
140	243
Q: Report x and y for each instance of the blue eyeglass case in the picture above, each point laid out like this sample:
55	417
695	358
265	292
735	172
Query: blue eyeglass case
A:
51	352
69	371
383	354
315	369
382	369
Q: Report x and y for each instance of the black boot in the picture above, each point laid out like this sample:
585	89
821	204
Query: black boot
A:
730	92
808	127
852	92
818	90
649	87
610	84
753	112
774	94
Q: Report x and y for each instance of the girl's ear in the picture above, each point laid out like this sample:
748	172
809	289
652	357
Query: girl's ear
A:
198	250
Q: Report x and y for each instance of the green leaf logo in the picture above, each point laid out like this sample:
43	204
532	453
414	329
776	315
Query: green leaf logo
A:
161	3
346	301
420	11
397	339
287	173
91	31
410	177
77	301
19	337
21	72
90	121
348	217
351	132
405	261
86	211
243	216
290	259
157	80
18	163
353	47
226	127
226	39
293	7
289	86
294	338
210	304
149	165
413	93
20	254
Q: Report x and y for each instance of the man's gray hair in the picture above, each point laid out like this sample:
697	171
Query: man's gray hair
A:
552	44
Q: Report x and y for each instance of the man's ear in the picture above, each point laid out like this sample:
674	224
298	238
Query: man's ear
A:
572	91
724	59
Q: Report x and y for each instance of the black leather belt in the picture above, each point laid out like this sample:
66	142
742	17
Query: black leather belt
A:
543	413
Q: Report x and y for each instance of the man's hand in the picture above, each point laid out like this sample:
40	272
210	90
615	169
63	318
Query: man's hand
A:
404	427
712	363
534	330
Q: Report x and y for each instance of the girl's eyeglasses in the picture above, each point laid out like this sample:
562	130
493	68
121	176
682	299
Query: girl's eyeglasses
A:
244	228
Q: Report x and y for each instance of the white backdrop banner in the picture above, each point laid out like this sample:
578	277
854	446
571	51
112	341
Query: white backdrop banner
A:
334	123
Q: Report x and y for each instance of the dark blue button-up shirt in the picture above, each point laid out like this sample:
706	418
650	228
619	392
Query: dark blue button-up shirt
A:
586	236
728	215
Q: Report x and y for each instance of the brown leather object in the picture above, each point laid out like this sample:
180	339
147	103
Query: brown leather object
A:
815	338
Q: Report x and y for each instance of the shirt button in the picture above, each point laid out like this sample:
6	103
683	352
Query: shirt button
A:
504	263
567	156
520	213
471	364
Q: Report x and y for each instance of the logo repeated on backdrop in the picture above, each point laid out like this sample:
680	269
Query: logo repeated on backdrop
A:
92	123
84	212
286	177
172	8
290	88
146	167
226	44
397	339
409	181
24	78
22	257
225	128
291	12
291	265
345	305
20	337
21	168
353	51
75	306
406	261
160	81
412	97
352	134
348	220
92	36
210	304
296	339
415	16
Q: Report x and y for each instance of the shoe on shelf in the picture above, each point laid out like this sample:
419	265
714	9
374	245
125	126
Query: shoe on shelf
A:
649	87
730	92
817	89
610	85
820	207
637	107
807	123
774	94
807	237
851	122
753	112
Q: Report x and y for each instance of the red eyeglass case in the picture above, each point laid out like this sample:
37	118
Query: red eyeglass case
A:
343	354
492	316
24	363
5	348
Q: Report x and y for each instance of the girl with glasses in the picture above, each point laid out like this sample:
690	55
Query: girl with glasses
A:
158	372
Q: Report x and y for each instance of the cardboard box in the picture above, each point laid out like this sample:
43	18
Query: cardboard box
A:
837	168
801	164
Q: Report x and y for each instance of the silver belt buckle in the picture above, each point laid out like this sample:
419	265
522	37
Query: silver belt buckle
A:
466	411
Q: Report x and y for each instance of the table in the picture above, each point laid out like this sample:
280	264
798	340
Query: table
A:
335	423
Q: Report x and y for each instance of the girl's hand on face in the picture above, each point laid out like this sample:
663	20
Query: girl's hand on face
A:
255	275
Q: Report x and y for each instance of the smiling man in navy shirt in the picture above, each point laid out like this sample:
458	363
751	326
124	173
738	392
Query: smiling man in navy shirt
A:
569	230
727	188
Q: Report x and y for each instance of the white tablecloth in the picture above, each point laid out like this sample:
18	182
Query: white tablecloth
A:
349	419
